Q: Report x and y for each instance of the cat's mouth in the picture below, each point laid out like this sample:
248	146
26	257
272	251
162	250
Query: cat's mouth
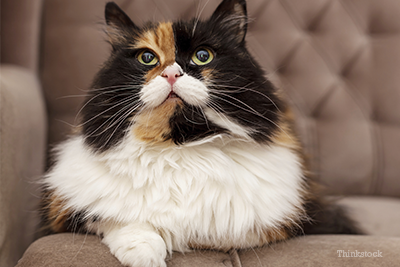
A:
172	96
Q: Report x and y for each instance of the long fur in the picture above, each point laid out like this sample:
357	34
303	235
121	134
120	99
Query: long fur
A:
205	159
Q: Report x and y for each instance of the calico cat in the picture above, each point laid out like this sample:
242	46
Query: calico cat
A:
184	144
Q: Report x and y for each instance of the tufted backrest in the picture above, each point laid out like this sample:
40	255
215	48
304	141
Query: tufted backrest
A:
338	62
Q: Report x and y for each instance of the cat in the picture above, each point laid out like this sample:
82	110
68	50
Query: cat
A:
185	144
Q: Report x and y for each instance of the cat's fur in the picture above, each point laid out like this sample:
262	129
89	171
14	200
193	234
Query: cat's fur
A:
179	155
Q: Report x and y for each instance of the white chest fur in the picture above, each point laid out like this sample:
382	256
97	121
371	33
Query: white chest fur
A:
215	188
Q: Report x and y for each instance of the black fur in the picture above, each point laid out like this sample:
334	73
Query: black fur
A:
75	222
328	218
240	89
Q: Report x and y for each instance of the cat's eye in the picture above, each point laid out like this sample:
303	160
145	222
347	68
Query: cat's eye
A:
147	58
202	56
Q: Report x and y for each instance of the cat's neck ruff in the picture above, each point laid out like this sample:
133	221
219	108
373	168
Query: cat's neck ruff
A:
227	184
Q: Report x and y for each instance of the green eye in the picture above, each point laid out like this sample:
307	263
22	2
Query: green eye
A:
202	56
147	58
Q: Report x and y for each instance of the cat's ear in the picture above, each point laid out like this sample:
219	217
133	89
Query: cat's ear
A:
232	15
119	25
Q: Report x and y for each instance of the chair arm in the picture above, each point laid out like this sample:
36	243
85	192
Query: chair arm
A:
23	126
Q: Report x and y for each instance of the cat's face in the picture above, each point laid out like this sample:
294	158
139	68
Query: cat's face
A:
179	82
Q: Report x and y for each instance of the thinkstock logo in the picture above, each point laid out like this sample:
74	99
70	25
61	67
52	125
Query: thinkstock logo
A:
358	254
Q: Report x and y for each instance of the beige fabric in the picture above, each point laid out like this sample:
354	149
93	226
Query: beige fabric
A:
79	250
323	251
337	62
22	135
20	32
376	215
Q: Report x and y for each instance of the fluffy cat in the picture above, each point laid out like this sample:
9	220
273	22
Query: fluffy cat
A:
184	144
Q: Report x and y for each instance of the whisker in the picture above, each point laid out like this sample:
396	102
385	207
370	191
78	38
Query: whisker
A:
198	17
114	119
205	117
250	110
127	84
247	89
128	113
119	88
104	111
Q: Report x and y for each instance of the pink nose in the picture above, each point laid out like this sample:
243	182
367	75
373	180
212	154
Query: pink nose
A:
172	73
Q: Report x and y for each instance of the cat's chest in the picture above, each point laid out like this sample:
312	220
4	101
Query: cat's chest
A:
235	184
210	180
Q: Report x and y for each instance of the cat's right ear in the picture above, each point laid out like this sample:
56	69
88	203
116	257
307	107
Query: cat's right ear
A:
119	25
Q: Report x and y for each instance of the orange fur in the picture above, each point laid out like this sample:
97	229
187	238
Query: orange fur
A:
271	236
160	41
57	214
153	125
208	74
285	135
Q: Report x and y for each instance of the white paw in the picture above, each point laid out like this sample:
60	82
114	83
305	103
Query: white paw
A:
137	247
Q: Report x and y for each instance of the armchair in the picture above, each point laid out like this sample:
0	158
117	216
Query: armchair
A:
338	63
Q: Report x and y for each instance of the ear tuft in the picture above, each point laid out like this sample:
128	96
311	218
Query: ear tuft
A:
119	25
116	17
232	14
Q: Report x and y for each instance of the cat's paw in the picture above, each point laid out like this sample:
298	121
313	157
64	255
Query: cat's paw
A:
137	248
141	255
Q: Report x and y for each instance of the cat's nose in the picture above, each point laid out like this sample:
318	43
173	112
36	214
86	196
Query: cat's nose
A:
172	73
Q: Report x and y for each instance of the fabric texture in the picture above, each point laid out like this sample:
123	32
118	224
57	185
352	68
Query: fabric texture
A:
20	32
23	139
337	63
81	250
378	216
323	250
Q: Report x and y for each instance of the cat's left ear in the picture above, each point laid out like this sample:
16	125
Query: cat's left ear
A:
232	15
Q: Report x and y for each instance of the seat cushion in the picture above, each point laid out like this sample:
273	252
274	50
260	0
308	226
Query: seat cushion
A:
327	250
87	250
376	215
324	250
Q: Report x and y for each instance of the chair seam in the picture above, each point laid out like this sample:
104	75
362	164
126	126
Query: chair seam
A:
235	258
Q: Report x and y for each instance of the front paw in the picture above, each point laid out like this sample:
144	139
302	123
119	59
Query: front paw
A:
137	247
140	255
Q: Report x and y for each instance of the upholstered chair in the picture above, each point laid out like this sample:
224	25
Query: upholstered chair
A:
337	61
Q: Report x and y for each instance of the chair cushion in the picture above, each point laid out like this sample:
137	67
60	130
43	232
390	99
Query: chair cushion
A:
87	250
324	250
376	215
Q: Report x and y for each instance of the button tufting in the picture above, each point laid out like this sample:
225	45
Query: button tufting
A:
333	70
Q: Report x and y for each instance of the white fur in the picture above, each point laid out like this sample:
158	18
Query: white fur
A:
223	121
155	92
190	89
135	244
219	191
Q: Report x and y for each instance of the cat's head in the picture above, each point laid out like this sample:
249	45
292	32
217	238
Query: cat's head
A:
179	82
